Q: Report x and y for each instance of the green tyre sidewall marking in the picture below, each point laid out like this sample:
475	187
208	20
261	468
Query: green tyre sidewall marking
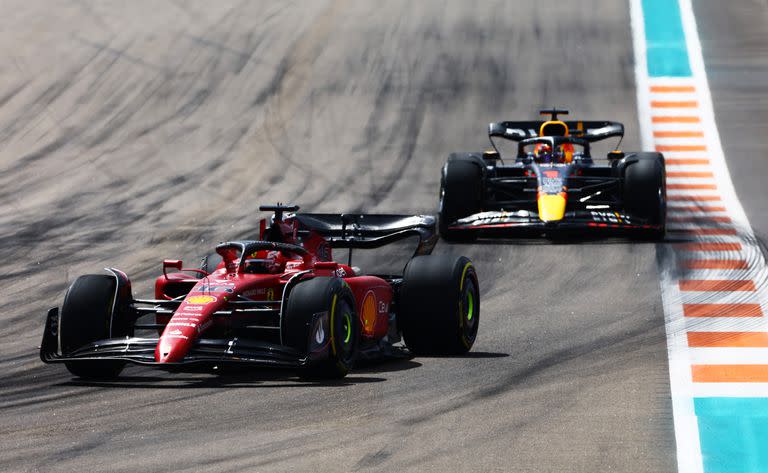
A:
344	353
333	325
467	339
348	327
471	304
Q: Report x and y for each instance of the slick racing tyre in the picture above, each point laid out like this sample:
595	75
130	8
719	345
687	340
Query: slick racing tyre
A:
439	305
86	316
302	330
645	193
461	194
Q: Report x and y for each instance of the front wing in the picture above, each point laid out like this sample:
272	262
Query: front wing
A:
523	220
207	352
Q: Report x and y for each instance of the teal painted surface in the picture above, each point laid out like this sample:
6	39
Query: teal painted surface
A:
667	53
733	433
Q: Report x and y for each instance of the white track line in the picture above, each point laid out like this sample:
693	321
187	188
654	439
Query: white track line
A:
684	152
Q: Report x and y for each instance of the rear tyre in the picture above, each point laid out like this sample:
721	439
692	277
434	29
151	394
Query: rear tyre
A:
461	194
86	316
439	305
323	295
645	193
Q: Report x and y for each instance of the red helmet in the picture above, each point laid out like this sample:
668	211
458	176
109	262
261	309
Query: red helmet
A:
265	262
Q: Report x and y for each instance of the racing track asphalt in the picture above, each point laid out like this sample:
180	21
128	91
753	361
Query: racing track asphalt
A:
134	131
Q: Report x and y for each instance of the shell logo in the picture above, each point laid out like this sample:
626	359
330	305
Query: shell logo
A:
369	313
198	300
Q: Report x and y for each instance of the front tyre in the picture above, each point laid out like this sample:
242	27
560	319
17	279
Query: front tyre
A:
461	194
645	193
86	316
439	305
302	330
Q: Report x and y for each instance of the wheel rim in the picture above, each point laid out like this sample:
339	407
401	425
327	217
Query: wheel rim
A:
347	327
346	332
469	309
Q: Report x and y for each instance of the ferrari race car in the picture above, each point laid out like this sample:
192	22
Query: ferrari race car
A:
553	185
280	301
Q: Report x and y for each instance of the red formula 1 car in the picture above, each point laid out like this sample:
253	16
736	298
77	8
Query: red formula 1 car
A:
280	301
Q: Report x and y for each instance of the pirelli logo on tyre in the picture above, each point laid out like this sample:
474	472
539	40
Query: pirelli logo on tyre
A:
200	300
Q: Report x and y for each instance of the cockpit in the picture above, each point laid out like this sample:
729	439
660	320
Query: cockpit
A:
265	262
552	150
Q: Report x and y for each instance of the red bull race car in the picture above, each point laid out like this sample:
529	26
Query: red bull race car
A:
279	301
553	184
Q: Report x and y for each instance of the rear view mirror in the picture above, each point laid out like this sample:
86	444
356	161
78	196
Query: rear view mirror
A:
172	264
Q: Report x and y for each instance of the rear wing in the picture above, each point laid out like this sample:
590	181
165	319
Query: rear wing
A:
590	131
371	230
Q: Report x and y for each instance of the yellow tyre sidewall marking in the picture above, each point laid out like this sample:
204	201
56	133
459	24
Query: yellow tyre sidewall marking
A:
333	325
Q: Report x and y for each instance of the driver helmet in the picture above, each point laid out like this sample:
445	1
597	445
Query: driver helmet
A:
265	262
559	155
543	153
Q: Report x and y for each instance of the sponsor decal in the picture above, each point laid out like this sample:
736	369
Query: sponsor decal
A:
175	334
383	306
217	287
340	272
293	264
521	131
609	217
487	218
319	334
181	324
201	300
270	294
551	185
255	292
